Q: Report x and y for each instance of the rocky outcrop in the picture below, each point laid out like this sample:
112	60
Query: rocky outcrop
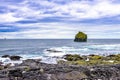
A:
35	70
80	37
14	57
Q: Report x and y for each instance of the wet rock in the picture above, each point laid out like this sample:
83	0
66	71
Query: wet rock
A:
14	58
53	50
5	56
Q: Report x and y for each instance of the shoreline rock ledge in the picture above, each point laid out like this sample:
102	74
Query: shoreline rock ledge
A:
80	37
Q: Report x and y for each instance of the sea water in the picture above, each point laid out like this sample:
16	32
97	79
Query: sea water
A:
37	48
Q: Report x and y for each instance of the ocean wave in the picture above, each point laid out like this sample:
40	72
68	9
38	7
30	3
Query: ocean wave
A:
104	47
9	49
89	49
7	61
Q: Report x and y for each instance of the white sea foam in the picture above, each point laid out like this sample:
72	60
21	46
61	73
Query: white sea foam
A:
7	61
85	50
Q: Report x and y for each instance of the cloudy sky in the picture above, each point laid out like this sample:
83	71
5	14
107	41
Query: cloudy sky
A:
21	19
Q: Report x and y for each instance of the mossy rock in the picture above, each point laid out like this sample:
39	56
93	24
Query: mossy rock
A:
27	68
95	62
80	37
113	57
95	57
74	57
81	62
1	67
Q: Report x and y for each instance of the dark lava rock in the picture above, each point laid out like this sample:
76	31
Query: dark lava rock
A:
106	72
52	50
33	63
34	70
15	73
15	57
5	56
80	37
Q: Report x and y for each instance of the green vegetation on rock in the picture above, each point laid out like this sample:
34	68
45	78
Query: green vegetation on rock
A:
70	57
92	60
95	57
80	37
27	68
113	57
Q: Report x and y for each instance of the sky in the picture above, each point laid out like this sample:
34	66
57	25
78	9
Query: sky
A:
59	19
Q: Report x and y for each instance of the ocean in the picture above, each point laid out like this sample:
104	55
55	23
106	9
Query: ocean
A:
39	48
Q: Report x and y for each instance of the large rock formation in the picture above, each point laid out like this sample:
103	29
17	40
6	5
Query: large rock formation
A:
80	37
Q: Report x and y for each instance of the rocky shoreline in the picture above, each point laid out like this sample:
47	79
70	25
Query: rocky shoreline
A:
33	69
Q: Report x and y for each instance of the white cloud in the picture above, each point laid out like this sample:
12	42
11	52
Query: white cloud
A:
70	11
85	10
76	10
8	17
63	30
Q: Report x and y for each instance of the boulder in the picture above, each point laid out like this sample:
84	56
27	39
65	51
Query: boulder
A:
33	63
15	58
80	37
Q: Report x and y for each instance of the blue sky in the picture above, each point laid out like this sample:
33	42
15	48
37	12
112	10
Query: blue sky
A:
21	19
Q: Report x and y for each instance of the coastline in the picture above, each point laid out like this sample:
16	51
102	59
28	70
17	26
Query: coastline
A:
72	68
34	69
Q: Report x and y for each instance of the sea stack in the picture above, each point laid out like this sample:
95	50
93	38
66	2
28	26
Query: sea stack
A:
80	37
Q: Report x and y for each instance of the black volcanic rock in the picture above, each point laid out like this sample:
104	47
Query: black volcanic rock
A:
15	57
43	71
5	56
80	37
15	73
